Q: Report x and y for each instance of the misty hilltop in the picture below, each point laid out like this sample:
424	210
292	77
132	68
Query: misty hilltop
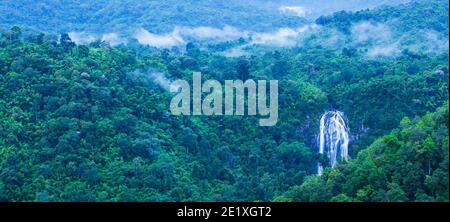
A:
382	27
162	16
85	96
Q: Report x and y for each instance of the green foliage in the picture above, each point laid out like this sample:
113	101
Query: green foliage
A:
82	123
409	164
87	123
126	16
410	16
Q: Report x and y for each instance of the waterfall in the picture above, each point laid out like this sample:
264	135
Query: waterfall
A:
333	137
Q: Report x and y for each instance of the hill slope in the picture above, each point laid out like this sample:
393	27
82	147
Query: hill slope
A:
409	164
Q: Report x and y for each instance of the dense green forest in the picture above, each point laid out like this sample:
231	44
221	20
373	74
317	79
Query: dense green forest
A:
409	164
121	15
90	122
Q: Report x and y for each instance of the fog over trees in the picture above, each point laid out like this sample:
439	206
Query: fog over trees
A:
85	100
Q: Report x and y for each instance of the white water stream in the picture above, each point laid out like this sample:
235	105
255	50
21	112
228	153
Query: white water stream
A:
333	137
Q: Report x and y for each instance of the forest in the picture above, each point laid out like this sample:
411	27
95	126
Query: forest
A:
89	119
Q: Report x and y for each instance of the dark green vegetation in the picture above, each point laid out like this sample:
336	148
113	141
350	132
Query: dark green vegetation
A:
87	123
410	16
127	15
102	16
409	164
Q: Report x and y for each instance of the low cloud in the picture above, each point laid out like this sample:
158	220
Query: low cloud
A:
380	39
294	10
431	42
384	51
180	35
283	37
235	52
209	33
168	40
151	78
376	37
368	32
331	38
161	80
82	38
113	39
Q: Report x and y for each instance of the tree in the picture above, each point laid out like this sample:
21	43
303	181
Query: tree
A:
243	69
66	42
396	194
13	35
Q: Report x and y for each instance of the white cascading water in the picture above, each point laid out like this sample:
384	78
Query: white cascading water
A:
333	137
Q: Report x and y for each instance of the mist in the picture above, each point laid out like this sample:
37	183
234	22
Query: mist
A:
235	52
180	35
114	39
210	33
168	40
295	10
313	9
281	37
382	39
161	80
151	77
83	38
